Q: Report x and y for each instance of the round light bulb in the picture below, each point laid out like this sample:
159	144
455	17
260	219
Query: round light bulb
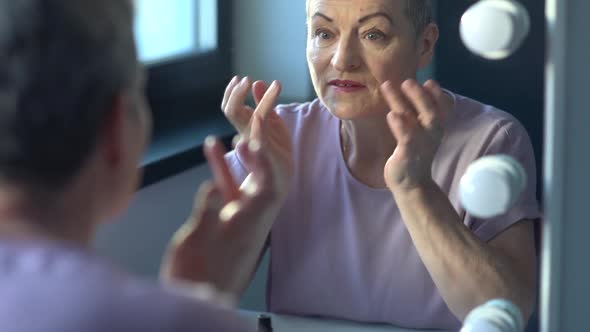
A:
494	29
491	185
497	315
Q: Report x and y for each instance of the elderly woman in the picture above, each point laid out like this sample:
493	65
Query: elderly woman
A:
365	222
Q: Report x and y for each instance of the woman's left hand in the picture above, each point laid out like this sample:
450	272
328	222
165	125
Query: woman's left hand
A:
417	120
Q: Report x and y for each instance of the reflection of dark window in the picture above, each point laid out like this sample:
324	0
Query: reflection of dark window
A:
185	46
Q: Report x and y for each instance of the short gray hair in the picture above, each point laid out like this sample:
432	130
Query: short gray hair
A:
420	13
61	63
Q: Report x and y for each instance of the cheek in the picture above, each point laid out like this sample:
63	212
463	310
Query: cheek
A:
319	56
318	61
392	66
383	70
314	58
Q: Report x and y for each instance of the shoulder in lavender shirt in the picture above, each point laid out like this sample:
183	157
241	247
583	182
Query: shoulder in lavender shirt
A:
51	288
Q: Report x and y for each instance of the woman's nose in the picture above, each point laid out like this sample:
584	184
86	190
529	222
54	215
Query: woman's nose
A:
346	56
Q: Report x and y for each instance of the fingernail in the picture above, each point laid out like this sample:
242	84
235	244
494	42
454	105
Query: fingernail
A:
244	80
250	188
254	146
229	211
210	141
203	291
409	83
274	85
236	140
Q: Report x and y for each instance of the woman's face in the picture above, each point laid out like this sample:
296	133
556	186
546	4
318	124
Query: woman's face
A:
354	46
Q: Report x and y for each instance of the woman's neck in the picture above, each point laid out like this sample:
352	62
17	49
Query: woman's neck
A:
366	145
22	221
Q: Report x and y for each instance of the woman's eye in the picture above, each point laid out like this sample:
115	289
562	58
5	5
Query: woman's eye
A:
323	34
374	35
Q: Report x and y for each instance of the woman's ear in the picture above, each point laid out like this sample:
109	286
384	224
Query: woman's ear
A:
426	44
111	141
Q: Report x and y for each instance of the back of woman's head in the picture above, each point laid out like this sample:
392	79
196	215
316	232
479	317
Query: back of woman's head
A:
61	64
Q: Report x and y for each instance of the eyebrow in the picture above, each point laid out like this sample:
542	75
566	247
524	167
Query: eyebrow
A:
325	17
378	14
361	20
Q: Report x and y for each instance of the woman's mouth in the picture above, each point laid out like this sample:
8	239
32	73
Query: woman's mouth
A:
346	86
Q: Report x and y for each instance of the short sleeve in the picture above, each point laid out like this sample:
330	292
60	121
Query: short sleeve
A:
511	139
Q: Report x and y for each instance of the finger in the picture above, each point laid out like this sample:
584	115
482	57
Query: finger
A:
224	180
258	193
208	202
204	219
422	101
236	110
441	99
243	150
259	88
395	99
401	128
435	90
260	166
228	90
257	128
269	101
236	140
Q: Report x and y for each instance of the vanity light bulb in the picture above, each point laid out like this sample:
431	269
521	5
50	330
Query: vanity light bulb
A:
495	29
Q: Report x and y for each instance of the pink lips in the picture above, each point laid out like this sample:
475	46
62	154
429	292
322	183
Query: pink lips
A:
346	85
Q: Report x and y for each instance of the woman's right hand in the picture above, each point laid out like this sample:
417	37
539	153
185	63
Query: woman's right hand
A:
222	241
261	125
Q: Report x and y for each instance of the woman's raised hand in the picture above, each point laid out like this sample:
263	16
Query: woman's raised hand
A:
222	239
261	126
417	119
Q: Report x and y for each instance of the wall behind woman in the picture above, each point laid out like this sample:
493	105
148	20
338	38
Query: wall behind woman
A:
514	84
269	44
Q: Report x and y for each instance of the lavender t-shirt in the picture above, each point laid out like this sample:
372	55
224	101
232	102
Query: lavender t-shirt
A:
53	288
340	248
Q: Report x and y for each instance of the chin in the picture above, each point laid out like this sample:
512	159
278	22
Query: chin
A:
351	111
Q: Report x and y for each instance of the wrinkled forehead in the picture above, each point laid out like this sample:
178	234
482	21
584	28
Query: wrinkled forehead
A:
360	7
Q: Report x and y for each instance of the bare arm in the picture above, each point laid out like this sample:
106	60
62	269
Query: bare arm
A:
466	271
